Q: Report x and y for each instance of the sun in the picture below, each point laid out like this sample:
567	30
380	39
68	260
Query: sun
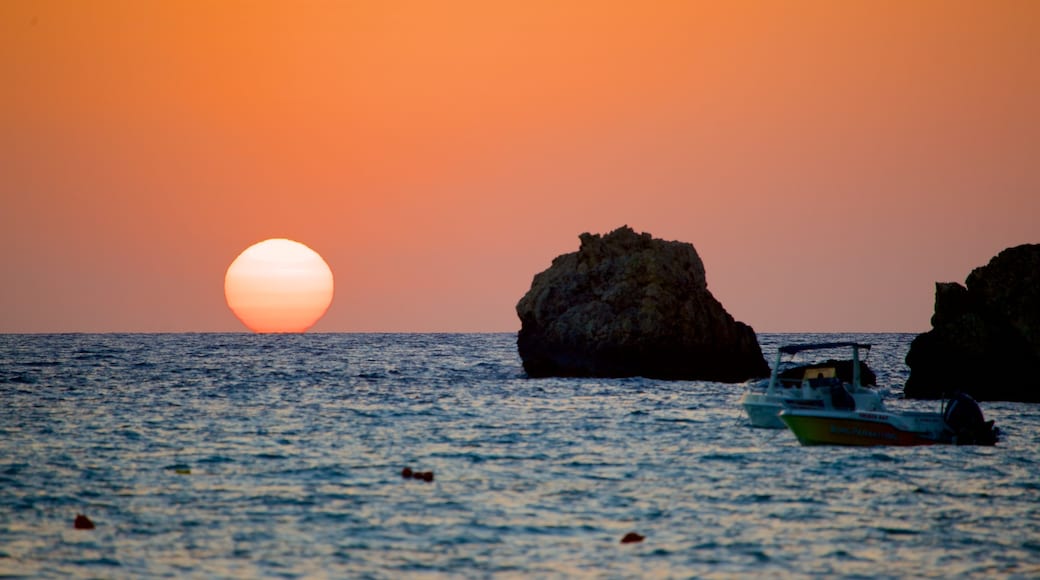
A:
278	285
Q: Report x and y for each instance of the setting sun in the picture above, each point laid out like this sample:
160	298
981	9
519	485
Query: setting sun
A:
278	285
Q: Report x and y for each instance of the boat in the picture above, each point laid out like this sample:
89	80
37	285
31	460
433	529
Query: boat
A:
960	422
819	384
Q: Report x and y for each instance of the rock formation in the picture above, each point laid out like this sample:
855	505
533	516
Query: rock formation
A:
626	304
985	337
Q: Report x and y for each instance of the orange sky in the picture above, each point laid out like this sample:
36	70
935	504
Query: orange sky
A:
829	160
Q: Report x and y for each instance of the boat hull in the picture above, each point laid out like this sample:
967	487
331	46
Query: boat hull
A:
853	428
764	410
764	414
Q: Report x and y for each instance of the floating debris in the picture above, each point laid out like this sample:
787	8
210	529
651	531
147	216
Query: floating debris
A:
407	473
632	538
82	522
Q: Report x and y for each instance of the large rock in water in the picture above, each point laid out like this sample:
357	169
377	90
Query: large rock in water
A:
985	337
626	304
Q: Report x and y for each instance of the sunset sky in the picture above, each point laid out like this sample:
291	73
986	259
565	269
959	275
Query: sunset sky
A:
830	161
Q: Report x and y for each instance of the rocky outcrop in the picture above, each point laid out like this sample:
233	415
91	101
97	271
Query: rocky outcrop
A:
985	337
626	304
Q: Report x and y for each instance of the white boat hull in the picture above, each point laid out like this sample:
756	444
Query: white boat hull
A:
764	409
763	413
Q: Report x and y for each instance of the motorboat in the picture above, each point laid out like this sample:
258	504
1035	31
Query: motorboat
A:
811	384
960	422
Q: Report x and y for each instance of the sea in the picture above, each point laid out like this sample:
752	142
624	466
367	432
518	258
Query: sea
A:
281	456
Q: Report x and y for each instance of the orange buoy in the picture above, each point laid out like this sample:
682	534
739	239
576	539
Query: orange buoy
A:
82	522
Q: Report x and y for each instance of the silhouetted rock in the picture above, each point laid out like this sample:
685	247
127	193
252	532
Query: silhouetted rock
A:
626	304
985	337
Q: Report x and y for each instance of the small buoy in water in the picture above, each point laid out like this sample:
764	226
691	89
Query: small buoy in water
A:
82	522
406	473
631	538
426	476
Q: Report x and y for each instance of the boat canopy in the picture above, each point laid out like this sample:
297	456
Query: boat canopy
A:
796	348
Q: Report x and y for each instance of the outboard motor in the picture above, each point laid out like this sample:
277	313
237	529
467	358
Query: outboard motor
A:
963	416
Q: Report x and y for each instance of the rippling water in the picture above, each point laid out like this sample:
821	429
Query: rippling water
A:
281	455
